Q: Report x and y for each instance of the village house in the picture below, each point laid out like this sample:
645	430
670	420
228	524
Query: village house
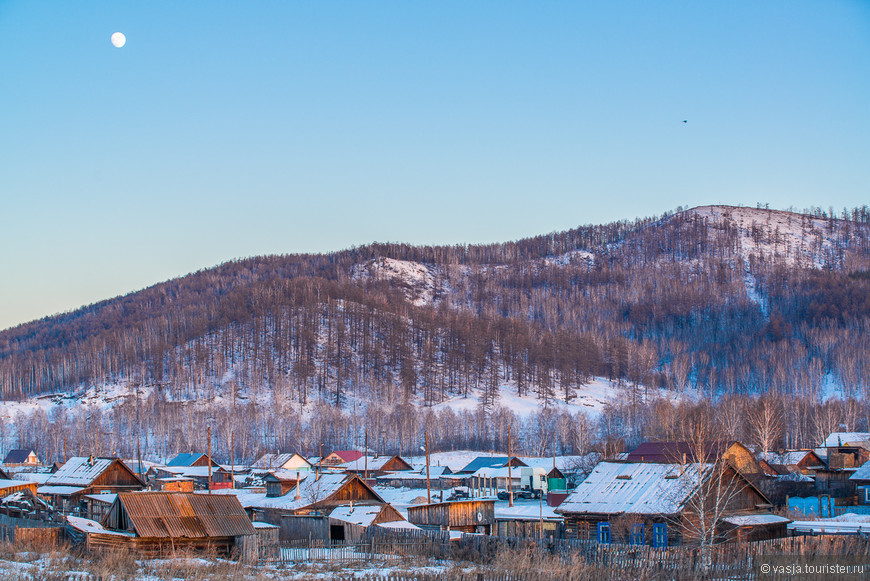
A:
789	461
844	453
655	503
21	458
290	462
734	453
81	476
374	466
159	523
302	512
221	478
335	459
191	459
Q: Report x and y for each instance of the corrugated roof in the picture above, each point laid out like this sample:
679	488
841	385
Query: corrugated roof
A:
180	515
634	488
79	471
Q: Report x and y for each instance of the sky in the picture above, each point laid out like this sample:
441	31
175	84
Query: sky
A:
226	129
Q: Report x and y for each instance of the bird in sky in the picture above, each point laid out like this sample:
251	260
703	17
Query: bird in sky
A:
685	120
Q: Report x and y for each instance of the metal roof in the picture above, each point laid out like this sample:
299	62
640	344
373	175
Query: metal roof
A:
185	459
181	515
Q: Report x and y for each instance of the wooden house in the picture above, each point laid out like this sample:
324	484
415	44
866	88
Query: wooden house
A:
375	466
789	461
191	459
736	454
654	503
470	516
173	484
845	453
80	476
302	512
21	458
289	462
221	478
339	457
160	523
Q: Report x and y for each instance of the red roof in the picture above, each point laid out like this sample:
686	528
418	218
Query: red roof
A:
348	455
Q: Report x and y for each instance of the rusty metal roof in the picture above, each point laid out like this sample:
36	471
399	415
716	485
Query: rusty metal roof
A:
183	515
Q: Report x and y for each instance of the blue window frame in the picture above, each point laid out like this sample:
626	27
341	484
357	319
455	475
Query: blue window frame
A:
660	535
637	534
604	533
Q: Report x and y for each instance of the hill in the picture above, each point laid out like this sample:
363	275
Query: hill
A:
716	300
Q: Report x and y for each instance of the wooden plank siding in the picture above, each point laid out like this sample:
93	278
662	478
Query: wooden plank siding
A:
462	515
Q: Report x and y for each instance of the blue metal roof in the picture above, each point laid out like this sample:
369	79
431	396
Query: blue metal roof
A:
186	459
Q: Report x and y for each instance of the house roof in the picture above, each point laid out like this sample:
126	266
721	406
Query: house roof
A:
846	438
669	452
374	463
273	461
862	473
348	455
17	456
311	491
787	458
177	514
484	462
80	471
635	488
185	459
358	515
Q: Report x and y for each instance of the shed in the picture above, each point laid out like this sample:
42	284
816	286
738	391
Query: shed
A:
349	522
470	516
162	522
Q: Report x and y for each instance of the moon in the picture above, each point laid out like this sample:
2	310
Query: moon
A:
118	40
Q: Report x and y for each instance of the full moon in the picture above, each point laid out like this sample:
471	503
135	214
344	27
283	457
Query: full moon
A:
118	39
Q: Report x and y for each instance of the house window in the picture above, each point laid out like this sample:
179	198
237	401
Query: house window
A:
637	536
660	535
604	533
867	495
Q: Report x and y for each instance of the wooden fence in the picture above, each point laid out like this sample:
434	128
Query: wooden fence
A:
724	561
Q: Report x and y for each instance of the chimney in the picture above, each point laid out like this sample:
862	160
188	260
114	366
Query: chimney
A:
297	486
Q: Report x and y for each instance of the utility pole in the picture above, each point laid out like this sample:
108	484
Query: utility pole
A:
428	489
366	452
232	460
510	477
209	459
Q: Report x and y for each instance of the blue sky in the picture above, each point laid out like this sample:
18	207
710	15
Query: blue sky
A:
232	129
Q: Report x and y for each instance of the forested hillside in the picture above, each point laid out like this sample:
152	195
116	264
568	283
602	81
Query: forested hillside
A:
721	301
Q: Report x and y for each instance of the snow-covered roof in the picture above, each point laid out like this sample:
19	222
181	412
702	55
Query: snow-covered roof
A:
358	515
13	483
271	461
90	526
787	458
264	525
635	488
756	520
79	471
311	491
846	438
399	524
862	473
829	527
61	490
534	511
106	498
